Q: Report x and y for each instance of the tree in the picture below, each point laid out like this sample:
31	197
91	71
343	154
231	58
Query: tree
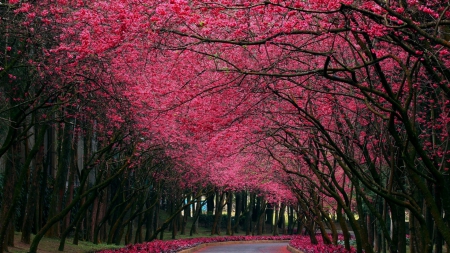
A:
348	99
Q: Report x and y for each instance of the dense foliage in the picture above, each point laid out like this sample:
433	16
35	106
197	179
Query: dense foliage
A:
337	111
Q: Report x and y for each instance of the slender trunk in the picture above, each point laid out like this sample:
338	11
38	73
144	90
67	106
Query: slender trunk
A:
166	223
61	178
79	196
269	215
238	212
149	224
114	231
275	223
210	204
70	191
187	213
437	235
260	218
106	211
129	225
220	198
78	217
344	227
9	180
290	220
78	223
325	235
138	236
229	210
13	187
155	221
198	211
248	218
281	219
32	196
95	215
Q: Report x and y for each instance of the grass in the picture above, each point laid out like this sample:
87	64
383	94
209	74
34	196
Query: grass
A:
50	245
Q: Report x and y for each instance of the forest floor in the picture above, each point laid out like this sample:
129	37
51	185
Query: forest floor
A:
50	245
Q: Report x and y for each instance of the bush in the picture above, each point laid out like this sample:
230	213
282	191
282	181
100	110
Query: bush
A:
304	244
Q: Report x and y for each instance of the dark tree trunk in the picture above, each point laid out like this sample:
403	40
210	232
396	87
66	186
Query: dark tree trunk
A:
61	178
238	212
187	213
275	222
229	210
261	216
30	210
149	224
281	219
248	218
198	211
210	204
220	198
9	180
344	227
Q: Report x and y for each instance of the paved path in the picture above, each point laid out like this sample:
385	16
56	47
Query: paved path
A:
278	247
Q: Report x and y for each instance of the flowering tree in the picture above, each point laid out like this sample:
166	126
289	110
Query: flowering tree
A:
346	101
337	58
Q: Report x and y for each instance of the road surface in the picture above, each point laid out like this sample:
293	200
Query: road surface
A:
278	247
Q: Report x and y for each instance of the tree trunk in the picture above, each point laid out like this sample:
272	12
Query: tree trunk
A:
275	222
237	215
30	209
94	217
78	197
261	215
282	219
198	211
114	231
61	178
138	236
229	210
69	194
344	227
187	213
78	223
210	204
9	180
248	218
13	186
75	223
149	224
220	198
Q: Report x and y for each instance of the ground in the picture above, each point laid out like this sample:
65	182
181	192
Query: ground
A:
48	245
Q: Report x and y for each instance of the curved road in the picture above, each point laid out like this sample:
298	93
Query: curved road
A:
278	247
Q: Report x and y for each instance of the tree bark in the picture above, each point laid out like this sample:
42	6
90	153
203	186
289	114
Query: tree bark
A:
220	198
237	215
229	203
61	178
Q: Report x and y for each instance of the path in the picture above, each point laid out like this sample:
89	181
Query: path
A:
279	247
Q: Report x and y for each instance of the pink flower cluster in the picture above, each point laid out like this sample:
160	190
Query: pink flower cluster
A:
171	246
304	244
